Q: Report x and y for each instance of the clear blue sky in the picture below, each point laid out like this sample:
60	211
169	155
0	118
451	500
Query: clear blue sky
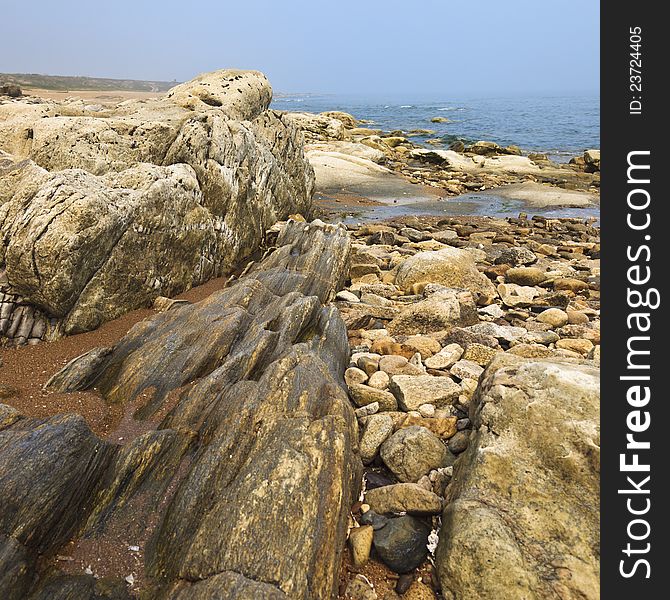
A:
366	46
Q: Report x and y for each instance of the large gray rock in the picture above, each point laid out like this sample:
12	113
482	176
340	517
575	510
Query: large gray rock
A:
189	182
522	514
241	483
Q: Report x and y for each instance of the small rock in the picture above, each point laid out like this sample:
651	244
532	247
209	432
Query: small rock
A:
364	394
554	317
368	364
379	380
466	369
378	428
575	345
442	427
516	255
404	582
411	498
459	442
401	543
412	452
480	354
424	345
427	410
413	391
360	542
347	296
445	358
354	375
367	410
398	365
525	275
370	517
419	591
359	589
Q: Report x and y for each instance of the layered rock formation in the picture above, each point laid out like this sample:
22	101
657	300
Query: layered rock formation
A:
522	519
102	211
238	461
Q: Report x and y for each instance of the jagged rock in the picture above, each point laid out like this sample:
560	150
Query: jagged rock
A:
257	436
535	431
190	182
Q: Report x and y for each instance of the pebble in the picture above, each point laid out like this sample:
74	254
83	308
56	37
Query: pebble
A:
363	394
575	345
459	442
354	375
427	410
445	358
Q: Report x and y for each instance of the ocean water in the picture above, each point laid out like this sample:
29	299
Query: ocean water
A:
560	126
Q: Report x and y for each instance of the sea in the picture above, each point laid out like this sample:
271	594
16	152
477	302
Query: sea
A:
559	126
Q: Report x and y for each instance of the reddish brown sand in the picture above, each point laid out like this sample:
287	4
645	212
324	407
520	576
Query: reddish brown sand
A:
25	370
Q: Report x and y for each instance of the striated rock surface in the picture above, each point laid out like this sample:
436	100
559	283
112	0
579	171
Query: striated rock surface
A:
190	182
240	479
522	519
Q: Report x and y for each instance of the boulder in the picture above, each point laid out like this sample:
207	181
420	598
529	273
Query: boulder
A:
522	513
451	267
241	426
436	313
189	181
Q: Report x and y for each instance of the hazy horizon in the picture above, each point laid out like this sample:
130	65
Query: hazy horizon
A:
376	48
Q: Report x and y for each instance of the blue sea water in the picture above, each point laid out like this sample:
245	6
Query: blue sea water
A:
561	126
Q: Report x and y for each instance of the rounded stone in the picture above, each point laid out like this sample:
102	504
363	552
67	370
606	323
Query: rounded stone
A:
401	543
412	452
554	317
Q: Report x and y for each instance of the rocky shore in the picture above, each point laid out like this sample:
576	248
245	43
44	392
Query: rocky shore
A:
350	160
475	347
406	409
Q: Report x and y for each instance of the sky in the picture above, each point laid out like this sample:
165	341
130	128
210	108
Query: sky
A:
346	47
